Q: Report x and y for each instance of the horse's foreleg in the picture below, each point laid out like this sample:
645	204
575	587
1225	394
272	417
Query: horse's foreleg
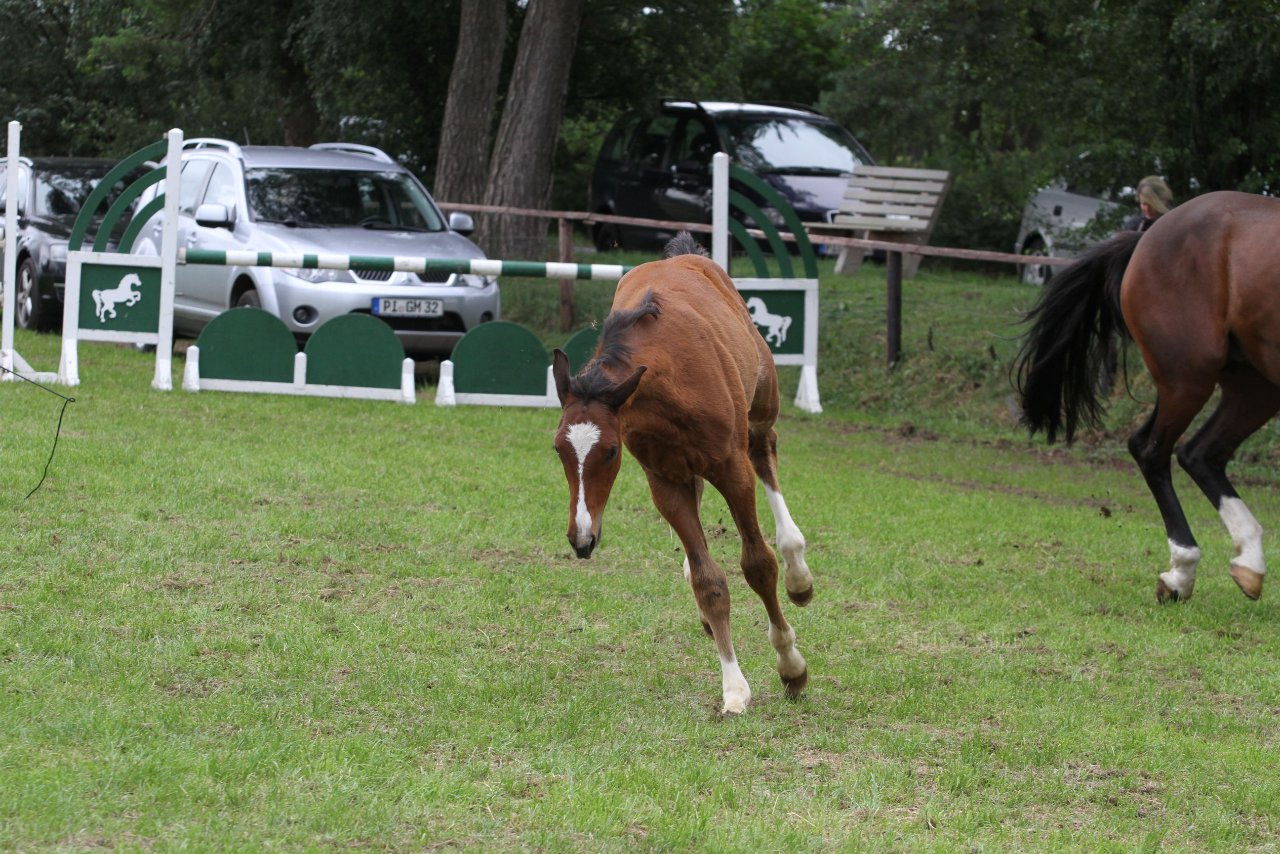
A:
1248	402
678	504
698	486
1152	448
791	544
760	568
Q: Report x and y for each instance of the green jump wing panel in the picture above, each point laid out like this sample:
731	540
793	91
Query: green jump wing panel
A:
247	344
355	350
500	358
581	347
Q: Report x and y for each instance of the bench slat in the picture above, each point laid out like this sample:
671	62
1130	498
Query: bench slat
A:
873	223
902	172
858	182
872	208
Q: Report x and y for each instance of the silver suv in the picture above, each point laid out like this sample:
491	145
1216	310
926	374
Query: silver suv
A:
330	198
1058	222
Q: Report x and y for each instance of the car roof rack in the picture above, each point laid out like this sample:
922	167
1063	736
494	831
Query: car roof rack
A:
211	142
354	148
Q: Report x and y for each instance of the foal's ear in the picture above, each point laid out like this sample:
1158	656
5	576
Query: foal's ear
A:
622	392
560	372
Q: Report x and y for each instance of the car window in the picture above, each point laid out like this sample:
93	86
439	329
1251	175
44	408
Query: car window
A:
615	144
766	143
649	145
319	197
222	188
22	186
64	192
193	175
694	141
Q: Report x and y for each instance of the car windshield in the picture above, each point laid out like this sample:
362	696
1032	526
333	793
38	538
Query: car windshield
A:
337	198
771	144
63	193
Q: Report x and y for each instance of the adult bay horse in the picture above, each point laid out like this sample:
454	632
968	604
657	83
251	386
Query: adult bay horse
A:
1199	293
682	378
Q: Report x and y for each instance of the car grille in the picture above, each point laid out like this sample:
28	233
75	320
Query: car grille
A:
430	278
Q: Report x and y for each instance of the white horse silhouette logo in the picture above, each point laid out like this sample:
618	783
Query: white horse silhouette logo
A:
106	301
775	326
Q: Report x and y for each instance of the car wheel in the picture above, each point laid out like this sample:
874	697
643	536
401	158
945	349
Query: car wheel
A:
607	237
1035	274
28	310
249	299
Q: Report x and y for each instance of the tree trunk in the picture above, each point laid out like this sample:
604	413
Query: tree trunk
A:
462	165
524	153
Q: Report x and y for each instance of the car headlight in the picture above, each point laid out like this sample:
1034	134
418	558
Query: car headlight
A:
475	281
317	276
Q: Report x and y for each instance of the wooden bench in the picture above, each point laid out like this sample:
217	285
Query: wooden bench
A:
887	203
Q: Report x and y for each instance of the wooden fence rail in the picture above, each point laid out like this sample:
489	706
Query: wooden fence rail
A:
893	256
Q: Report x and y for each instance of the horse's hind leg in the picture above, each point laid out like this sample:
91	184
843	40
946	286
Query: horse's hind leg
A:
763	448
760	568
1152	448
678	504
1248	402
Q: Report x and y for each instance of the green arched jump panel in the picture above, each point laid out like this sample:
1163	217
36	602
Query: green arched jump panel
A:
155	151
247	344
581	347
774	199
354	350
500	358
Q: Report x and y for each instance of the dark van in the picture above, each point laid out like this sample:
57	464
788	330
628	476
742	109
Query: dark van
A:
657	165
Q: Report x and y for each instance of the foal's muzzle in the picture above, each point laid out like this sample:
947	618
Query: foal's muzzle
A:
584	552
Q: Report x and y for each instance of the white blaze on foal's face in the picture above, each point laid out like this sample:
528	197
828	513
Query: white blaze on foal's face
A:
582	438
589	451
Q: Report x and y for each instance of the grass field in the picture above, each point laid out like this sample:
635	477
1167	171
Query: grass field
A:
235	622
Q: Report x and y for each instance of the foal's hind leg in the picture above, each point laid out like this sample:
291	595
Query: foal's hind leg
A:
678	504
1152	448
763	448
760	568
1248	402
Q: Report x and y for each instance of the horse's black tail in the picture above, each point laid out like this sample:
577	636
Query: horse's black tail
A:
1058	366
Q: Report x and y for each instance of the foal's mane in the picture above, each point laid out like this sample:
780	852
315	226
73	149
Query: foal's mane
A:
614	350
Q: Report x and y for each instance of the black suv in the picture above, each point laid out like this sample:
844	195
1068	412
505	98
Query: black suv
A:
656	165
51	191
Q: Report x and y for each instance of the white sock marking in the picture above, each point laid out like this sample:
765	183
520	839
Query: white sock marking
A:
790	544
1245	532
583	438
734	686
1181	577
790	661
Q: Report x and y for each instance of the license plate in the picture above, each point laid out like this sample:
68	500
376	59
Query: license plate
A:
407	307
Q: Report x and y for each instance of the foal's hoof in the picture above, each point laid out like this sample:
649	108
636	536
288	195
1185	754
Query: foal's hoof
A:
1250	582
1165	593
802	597
795	684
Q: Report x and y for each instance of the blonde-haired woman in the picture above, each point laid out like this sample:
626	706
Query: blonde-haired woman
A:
1154	200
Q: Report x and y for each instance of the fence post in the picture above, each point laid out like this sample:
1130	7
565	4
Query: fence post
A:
893	312
566	285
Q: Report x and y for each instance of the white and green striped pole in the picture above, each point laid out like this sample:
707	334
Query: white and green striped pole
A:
478	267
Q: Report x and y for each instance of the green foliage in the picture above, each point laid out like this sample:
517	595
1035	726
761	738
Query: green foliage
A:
1006	96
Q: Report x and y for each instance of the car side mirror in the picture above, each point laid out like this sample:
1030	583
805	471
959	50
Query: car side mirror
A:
214	216
461	223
